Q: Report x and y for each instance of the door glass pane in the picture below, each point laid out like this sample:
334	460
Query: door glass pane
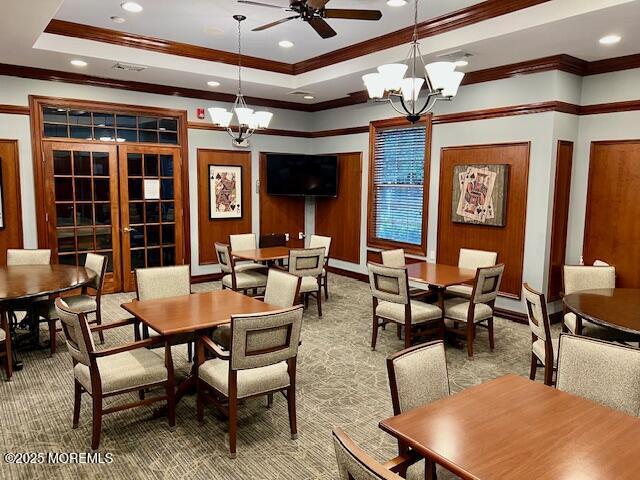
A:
55	130
168	213
134	164
169	256
79	118
64	214
127	121
136	213
64	189
66	240
153	257
170	124
166	165
170	138
166	189
148	123
103	238
137	237
55	115
83	189
100	164
103	214
137	259
83	133
101	189
85	238
135	189
153	235
104	119
150	165
84	213
67	259
109	256
168	234
153	212
146	136
61	163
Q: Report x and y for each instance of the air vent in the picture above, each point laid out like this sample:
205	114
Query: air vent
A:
454	56
129	67
300	93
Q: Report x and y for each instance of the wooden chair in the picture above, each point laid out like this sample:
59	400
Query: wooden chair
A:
245	241
19	257
115	371
238	281
317	241
396	258
477	311
544	349
308	264
392	303
471	259
261	361
356	464
603	372
84	302
273	240
418	376
5	343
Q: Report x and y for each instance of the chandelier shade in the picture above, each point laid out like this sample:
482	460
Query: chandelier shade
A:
411	88
452	83
439	73
392	75
375	84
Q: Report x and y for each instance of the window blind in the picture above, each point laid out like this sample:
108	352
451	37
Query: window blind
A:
398	184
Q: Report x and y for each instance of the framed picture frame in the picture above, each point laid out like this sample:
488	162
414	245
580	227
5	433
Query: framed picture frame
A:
225	192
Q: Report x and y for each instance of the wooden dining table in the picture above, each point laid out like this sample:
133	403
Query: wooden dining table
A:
617	308
267	254
514	428
439	276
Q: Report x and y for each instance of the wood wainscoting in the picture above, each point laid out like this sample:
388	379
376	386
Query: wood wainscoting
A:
11	233
218	230
508	241
612	230
339	218
559	223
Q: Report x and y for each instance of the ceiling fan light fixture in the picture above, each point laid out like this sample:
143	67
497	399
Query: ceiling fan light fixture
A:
392	75
452	84
375	84
439	73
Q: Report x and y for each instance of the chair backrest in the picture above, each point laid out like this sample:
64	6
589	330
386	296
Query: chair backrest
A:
28	257
537	313
317	241
273	240
585	277
163	282
306	262
243	241
282	288
468	258
76	332
600	263
606	373
487	284
393	258
263	339
417	376
98	264
390	284
225	260
354	463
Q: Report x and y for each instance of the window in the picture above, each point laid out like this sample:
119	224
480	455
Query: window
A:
399	176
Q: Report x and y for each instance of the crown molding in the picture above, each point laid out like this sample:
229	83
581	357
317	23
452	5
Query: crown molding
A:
609	65
14	109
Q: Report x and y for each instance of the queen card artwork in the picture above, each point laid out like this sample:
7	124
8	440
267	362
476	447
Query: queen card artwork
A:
225	191
480	194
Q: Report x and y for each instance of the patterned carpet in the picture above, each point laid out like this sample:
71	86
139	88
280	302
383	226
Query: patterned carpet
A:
341	382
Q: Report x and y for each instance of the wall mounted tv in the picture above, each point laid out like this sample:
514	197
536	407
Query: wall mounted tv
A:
314	175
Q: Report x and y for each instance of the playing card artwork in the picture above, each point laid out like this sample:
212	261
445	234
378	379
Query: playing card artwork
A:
479	194
225	190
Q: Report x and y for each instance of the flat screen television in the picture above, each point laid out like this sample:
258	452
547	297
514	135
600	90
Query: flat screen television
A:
314	175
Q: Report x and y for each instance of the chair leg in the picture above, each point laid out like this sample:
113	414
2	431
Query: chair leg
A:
548	372
199	401
534	367
233	426
407	334
470	335
430	470
374	333
52	337
326	286
319	301
399	331
9	357
306	300
189	352
171	403
97	421
141	394
293	423
77	402
491	337
270	400
99	322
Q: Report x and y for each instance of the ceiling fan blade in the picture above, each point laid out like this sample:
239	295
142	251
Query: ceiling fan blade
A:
353	14
260	4
273	24
322	28
317	4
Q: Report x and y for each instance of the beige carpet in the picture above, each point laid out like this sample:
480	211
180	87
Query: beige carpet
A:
340	382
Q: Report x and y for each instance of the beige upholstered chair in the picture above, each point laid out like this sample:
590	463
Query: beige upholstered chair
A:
544	349
355	464
261	361
417	376
28	257
393	258
471	259
316	241
5	342
603	372
245	241
248	279
308	264
478	311
115	371
84	302
392	303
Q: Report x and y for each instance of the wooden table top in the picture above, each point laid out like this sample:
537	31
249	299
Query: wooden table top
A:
26	281
439	275
617	308
263	254
198	311
513	428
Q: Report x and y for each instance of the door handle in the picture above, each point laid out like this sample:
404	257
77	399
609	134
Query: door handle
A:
129	229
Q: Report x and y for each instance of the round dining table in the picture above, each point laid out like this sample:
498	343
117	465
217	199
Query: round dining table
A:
20	284
617	308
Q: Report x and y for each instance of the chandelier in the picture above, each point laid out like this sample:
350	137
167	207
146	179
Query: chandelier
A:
248	120
389	83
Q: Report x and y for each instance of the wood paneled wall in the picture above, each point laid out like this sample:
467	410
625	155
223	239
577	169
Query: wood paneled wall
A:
279	213
560	220
11	234
218	230
508	241
339	218
612	229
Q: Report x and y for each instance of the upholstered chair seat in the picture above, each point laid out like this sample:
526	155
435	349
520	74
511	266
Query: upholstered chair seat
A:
250	382
538	348
80	303
457	309
247	279
124	371
594	330
420	311
463	291
309	284
471	259
245	241
248	267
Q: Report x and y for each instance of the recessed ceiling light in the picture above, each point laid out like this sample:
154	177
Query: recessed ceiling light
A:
213	83
285	44
132	7
396	3
461	63
308	97
610	39
78	63
117	19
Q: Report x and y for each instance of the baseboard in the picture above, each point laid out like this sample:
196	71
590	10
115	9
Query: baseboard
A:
208	277
363	277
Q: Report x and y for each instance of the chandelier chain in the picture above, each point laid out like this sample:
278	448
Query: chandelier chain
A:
240	57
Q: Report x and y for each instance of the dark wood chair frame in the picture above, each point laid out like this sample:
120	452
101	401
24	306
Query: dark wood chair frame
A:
234	285
96	385
7	352
468	332
548	346
304	297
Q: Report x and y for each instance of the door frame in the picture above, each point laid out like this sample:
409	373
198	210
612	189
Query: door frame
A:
36	103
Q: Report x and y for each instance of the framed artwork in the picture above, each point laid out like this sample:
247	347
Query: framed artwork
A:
1	199
225	191
480	194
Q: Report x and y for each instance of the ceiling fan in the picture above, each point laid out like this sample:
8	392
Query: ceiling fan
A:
314	13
